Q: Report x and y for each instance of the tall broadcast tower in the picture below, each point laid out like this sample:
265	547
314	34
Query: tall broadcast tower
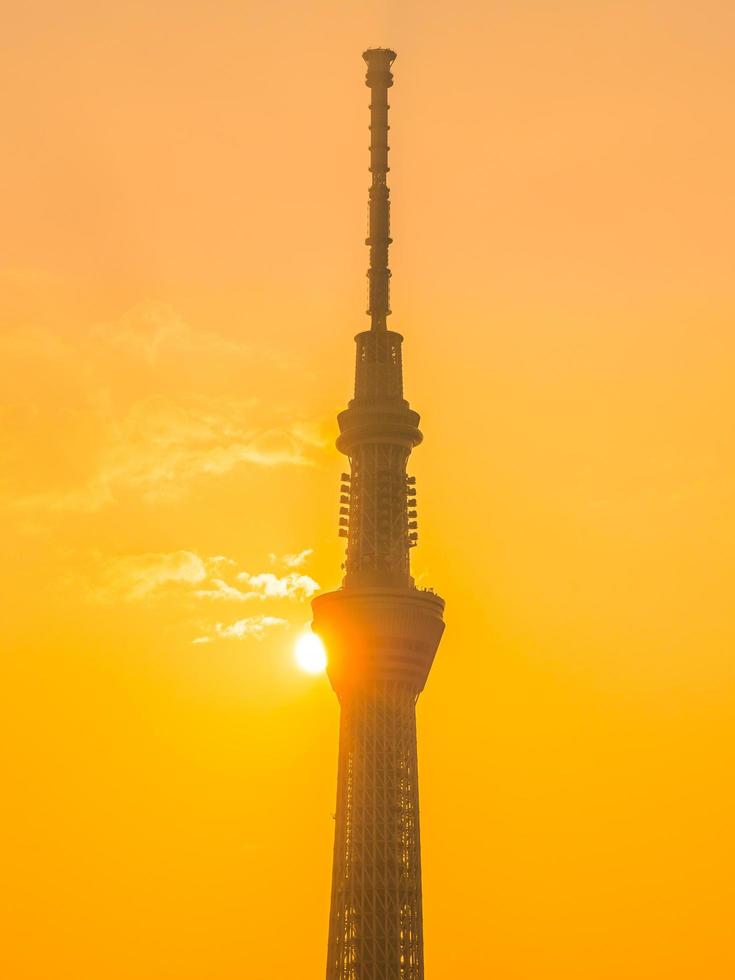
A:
380	631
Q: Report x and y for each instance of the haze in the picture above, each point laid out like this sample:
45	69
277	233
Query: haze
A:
183	265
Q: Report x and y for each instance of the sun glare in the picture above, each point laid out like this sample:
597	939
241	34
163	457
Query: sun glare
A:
310	653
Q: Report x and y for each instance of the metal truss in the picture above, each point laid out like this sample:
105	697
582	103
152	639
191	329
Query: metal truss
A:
377	513
378	541
378	366
375	930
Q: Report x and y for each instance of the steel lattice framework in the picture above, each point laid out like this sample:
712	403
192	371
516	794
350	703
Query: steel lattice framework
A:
381	632
376	878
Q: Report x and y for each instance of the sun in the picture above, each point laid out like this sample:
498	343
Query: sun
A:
310	654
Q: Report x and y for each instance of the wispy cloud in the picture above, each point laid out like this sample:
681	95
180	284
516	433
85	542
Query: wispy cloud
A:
186	577
263	586
266	585
136	575
132	577
152	329
292	561
252	626
161	446
219	589
132	402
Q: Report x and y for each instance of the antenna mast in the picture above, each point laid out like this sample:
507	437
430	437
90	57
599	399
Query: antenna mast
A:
379	79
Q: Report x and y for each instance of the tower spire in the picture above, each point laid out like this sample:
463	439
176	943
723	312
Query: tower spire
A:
379	79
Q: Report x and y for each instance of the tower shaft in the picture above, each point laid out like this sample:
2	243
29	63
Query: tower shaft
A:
380	631
375	927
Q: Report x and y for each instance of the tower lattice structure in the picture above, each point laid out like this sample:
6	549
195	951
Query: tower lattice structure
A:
380	631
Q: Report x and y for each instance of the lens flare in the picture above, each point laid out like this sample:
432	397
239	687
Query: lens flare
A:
310	653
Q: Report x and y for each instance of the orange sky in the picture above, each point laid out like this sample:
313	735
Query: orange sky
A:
181	277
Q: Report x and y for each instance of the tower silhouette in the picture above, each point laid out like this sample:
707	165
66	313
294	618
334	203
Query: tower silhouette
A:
380	631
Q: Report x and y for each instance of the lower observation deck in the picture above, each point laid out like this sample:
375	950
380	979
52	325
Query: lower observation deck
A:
378	635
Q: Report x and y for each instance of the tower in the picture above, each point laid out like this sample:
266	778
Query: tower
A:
380	631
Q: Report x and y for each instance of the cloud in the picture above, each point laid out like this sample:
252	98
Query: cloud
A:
222	590
134	577
266	585
185	578
292	561
252	626
152	329
161	446
263	586
85	420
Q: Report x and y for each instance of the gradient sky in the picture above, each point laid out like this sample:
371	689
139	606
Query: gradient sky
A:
181	277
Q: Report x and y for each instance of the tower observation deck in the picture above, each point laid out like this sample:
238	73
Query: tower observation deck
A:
380	631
